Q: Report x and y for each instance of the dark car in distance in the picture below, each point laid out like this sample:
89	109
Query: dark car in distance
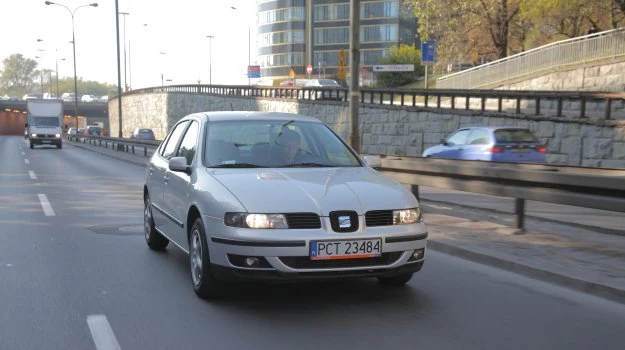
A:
143	134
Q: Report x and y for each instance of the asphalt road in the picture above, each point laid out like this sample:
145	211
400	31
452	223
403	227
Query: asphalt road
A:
75	272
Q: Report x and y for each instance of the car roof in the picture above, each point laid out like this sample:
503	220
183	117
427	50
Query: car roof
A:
493	128
250	115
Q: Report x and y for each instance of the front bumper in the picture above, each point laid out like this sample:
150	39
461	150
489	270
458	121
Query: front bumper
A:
289	259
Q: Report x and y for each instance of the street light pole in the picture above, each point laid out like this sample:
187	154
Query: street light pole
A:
210	59
125	60
162	81
95	4
41	69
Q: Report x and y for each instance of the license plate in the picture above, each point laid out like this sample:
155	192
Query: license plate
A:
352	249
520	150
46	141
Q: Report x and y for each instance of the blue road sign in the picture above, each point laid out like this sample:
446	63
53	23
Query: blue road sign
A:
428	53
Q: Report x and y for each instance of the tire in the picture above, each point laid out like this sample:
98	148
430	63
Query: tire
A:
32	145
59	145
204	284
153	238
396	281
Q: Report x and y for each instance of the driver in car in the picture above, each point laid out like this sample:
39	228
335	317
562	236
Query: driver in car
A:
286	147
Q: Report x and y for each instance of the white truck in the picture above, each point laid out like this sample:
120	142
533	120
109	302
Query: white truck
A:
44	122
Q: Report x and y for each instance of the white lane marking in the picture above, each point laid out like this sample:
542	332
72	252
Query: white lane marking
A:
26	161
23	153
47	207
102	333
32	175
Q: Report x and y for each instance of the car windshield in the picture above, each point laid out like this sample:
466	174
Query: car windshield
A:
45	121
328	82
275	143
514	135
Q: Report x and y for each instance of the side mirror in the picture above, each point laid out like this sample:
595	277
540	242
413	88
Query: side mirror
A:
179	164
373	161
443	142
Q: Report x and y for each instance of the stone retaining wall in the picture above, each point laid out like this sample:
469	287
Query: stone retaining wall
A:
392	130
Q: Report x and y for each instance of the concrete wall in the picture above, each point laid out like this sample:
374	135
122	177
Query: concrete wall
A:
602	76
392	130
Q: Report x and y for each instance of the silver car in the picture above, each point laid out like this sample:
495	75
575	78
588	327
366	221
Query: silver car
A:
277	197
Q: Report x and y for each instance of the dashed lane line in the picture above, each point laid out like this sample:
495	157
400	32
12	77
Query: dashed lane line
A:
45	204
26	161
32	175
102	333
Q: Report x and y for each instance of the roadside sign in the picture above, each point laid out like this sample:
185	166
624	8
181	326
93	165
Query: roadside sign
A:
309	69
428	53
253	71
393	68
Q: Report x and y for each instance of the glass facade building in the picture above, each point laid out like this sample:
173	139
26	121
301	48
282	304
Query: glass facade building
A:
295	33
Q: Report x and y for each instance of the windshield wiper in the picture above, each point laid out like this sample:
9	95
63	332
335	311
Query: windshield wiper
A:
307	165
237	165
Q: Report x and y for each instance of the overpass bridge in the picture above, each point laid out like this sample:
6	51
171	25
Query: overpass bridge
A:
13	115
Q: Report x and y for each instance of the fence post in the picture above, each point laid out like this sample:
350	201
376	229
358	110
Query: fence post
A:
559	106
538	105
608	108
518	105
582	107
415	191
520	214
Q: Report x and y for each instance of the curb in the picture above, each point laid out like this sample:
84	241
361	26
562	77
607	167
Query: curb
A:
592	288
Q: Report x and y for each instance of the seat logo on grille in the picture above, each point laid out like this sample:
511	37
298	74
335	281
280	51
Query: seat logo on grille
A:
345	222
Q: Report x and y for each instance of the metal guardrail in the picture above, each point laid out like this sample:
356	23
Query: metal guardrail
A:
594	47
451	99
120	144
589	188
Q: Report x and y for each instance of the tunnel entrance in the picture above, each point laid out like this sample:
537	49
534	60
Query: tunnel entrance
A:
12	123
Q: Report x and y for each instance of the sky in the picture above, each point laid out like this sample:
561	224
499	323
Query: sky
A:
162	37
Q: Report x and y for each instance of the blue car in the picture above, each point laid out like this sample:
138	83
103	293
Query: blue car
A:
490	143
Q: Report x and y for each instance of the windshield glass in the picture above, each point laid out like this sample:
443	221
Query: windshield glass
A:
275	143
45	121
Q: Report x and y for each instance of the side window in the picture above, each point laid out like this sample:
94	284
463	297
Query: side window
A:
174	136
189	143
459	138
479	137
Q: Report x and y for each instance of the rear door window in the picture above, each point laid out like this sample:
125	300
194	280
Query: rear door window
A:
514	135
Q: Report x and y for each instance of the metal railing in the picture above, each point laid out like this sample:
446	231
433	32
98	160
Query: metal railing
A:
582	187
550	103
594	47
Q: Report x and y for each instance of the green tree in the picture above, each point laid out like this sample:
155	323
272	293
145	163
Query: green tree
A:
18	74
404	54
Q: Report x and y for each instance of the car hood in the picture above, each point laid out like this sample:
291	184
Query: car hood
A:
317	190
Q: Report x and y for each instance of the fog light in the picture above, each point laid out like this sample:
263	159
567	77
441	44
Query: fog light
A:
417	254
251	261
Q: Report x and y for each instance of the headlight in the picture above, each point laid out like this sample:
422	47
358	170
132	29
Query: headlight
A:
57	136
407	216
33	135
255	220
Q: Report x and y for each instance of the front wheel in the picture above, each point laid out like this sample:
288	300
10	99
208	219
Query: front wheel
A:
398	280
153	238
204	284
32	145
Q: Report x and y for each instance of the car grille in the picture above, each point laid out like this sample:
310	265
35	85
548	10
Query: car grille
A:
335	221
45	135
303	220
379	218
304	262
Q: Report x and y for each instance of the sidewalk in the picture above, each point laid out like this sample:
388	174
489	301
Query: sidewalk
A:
565	254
